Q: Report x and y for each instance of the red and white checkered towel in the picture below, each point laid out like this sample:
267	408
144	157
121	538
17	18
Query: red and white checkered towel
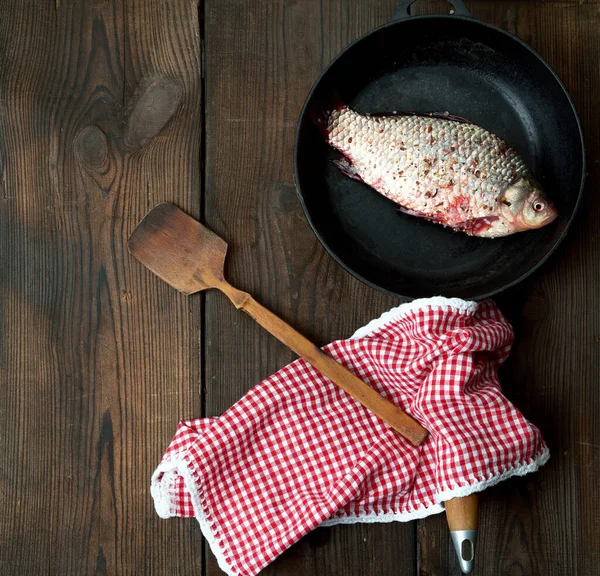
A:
297	452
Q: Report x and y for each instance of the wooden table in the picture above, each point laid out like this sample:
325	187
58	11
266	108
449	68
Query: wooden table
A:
99	359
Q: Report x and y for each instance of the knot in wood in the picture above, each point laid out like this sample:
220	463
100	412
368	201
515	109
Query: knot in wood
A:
153	105
91	146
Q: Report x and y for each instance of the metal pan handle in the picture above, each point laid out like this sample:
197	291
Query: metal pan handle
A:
459	9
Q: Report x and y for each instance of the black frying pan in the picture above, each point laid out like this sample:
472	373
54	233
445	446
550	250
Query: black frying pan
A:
424	64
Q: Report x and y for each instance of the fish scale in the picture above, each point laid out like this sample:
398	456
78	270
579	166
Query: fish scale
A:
443	169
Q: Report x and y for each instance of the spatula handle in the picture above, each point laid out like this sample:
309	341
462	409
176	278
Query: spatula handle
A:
463	513
361	392
463	518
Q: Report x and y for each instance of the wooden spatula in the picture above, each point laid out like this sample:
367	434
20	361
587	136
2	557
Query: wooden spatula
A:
191	258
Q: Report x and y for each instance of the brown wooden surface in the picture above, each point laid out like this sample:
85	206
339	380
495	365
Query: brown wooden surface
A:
103	114
98	358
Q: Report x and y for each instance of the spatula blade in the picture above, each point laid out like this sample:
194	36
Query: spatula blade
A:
178	249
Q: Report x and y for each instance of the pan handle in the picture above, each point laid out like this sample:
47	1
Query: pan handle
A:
459	9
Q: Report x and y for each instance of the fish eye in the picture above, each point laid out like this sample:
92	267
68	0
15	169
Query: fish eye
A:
538	205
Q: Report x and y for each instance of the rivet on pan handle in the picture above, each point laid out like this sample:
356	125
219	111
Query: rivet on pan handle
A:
459	9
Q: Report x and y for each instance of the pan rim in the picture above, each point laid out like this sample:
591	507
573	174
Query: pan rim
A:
450	18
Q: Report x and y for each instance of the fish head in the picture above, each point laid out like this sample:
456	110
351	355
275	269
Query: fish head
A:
529	206
522	206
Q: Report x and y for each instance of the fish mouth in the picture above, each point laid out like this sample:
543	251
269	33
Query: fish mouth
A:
552	216
550	212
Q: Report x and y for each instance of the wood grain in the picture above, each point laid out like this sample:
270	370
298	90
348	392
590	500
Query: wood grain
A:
261	61
548	523
98	359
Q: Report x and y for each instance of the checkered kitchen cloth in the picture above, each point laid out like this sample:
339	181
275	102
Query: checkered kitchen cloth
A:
296	452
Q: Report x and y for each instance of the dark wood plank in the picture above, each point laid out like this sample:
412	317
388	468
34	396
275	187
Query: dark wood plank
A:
548	523
98	358
261	60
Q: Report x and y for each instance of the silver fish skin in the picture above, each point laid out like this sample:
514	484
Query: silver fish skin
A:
443	169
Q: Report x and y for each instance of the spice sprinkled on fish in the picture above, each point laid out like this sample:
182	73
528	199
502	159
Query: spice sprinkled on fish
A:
441	168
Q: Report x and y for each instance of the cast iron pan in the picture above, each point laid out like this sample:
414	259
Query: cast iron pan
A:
457	64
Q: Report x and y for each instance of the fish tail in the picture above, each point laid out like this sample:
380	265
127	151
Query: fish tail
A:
324	107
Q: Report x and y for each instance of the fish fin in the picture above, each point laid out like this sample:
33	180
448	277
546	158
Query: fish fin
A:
347	169
476	225
440	115
431	218
411	212
472	227
322	109
448	116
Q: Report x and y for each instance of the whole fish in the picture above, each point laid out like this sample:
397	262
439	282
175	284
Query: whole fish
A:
441	168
